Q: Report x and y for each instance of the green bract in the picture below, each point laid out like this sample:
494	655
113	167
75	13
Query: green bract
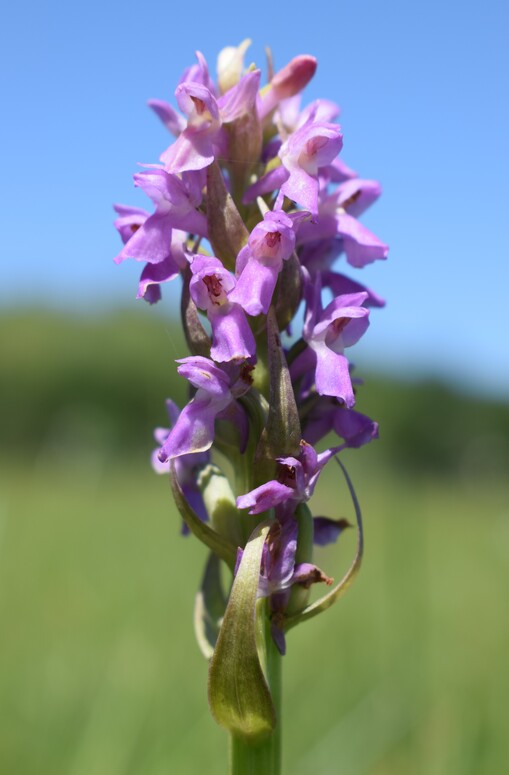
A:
238	693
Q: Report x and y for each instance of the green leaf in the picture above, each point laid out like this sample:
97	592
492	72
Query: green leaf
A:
288	291
282	434
244	149
283	425
209	607
336	592
239	696
215	542
227	231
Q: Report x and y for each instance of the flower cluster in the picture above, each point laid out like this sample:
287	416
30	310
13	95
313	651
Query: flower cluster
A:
257	214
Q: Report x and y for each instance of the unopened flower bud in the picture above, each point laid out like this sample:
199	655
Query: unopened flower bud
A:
294	76
230	64
288	82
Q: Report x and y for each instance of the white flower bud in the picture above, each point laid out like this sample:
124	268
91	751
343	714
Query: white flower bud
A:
230	64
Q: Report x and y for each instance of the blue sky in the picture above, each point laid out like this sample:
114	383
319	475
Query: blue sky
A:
423	91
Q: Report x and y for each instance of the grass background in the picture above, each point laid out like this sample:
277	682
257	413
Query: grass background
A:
99	671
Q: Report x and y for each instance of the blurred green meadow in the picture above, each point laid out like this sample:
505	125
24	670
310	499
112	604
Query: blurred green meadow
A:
99	670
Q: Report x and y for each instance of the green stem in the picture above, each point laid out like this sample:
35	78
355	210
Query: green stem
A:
261	757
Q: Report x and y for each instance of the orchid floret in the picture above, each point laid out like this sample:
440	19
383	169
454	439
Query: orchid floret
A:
210	288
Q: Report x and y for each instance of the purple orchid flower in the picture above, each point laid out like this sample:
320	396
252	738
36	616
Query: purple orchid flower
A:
295	483
328	333
129	221
328	414
217	390
305	155
185	466
258	264
154	275
199	74
176	205
279	572
337	227
310	148
211	289
278	558
196	147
